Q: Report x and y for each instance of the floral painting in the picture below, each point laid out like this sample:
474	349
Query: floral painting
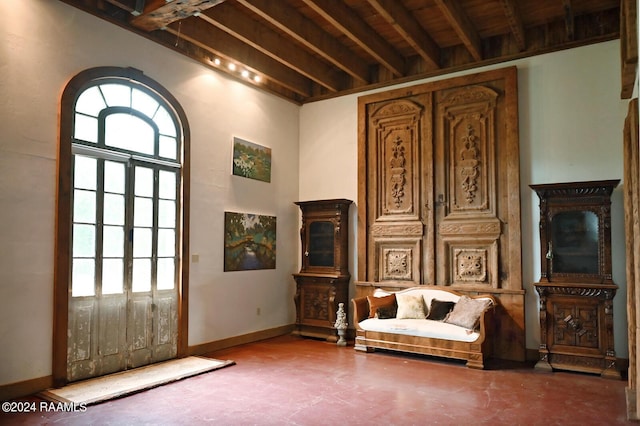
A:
251	160
249	241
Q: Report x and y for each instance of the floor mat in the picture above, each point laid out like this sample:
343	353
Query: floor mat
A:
99	389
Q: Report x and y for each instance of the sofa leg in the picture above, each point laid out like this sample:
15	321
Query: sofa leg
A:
476	363
363	348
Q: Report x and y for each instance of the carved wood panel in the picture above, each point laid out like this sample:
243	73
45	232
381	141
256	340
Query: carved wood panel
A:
632	243
397	230
466	146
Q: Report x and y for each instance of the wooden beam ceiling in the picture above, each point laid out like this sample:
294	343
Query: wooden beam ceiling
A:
350	24
406	25
512	13
305	50
462	26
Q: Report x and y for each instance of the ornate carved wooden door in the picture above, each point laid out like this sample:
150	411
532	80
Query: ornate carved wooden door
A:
439	192
400	223
471	188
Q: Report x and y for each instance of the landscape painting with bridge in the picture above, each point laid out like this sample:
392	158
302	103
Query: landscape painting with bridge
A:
249	241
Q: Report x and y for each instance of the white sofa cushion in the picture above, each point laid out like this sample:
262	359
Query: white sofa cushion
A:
421	328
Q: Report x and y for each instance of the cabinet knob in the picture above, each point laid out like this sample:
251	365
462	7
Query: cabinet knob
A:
306	253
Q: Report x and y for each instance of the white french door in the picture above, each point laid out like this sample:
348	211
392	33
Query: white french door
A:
123	293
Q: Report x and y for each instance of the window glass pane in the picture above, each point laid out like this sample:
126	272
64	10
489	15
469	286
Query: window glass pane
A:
112	276
116	94
113	209
113	241
167	188
142	242
143	103
143	212
90	102
168	147
166	242
166	274
141	279
85	128
166	214
85	172
164	122
84	206
82	277
84	240
114	177
144	182
127	131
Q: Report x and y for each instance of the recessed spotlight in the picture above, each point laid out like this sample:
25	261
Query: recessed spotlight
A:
245	73
232	67
256	78
216	61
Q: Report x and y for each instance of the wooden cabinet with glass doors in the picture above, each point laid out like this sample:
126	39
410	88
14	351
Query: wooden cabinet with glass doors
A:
323	280
576	288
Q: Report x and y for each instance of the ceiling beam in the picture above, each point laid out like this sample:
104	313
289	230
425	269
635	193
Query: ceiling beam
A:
460	22
309	34
221	44
159	14
514	18
406	25
568	19
128	5
227	18
350	24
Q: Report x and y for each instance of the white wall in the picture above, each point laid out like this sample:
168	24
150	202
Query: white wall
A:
571	121
44	44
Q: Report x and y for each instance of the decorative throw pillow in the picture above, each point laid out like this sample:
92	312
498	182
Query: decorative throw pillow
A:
386	312
439	309
380	302
410	306
466	313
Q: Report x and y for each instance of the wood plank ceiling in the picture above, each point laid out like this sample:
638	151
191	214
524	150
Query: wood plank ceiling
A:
306	50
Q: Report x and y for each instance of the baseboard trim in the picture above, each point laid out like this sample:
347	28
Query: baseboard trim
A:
25	388
240	340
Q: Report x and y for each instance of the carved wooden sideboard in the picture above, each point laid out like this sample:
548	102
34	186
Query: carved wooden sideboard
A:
576	287
439	193
323	280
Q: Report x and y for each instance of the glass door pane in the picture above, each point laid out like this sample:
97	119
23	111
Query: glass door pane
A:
143	226
167	242
113	230
83	249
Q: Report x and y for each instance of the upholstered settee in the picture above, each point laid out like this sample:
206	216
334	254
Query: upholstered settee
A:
426	320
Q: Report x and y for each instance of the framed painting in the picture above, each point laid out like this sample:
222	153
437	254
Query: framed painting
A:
251	160
249	241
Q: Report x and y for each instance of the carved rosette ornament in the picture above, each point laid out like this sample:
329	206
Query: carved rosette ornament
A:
397	265
398	171
469	165
471	265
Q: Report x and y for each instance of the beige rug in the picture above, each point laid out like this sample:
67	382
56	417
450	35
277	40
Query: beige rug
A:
93	391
